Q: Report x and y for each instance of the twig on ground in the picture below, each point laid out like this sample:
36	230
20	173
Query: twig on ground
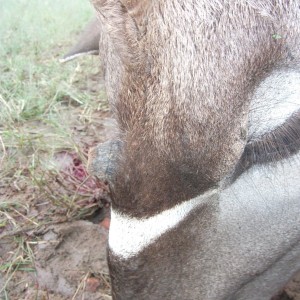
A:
4	151
32	227
81	286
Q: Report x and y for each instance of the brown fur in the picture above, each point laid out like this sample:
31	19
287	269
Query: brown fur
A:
180	88
180	76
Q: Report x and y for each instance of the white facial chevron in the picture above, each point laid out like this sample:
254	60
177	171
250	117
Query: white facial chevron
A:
128	236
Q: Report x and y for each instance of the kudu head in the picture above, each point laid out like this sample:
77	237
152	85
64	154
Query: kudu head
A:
206	196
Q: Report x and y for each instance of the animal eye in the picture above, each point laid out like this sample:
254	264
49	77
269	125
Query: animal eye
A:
282	142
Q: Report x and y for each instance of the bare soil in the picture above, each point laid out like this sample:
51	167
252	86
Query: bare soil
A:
70	253
70	263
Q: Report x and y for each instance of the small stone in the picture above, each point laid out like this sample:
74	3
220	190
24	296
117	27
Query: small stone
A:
92	284
105	223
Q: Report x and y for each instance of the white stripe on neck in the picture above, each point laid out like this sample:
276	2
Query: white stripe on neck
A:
128	236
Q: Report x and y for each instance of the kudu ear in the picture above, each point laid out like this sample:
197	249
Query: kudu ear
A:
88	42
137	9
124	25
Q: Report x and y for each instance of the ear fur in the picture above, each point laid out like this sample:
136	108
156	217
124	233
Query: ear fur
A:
88	42
124	25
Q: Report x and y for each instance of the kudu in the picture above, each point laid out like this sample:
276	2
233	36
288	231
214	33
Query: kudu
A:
206	193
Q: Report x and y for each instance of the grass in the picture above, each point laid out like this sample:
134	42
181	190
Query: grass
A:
34	34
43	106
19	260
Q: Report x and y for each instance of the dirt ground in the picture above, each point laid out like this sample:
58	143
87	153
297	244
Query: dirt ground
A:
66	260
70	263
